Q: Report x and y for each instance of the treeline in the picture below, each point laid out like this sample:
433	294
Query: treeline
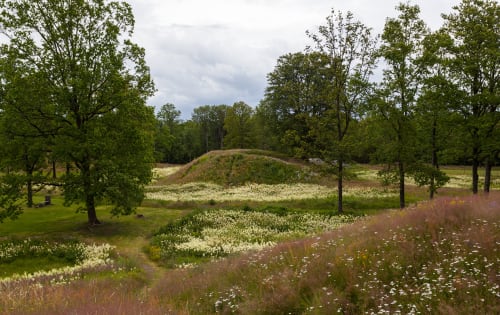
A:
435	103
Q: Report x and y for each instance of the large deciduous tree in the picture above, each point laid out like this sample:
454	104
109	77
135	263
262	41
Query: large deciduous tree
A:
97	82
350	50
474	67
294	95
397	95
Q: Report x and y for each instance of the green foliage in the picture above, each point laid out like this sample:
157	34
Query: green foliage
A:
210	120
239	127
473	58
69	251
428	175
296	92
93	98
396	97
166	137
388	176
10	190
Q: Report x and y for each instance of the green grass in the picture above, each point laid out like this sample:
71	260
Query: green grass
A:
237	167
220	233
437	258
53	219
267	282
32	264
57	220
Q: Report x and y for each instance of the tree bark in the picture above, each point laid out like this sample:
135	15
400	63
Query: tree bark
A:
89	195
339	185
401	185
487	175
91	213
475	168
29	187
29	179
435	163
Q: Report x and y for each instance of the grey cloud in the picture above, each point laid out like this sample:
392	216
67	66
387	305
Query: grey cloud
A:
219	60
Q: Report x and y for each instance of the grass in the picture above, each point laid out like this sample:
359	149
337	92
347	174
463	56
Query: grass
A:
57	220
443	255
437	257
32	264
219	233
237	167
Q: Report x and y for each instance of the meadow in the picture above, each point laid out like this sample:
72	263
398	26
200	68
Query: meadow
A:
257	248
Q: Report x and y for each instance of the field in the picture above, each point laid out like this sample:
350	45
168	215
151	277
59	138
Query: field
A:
206	247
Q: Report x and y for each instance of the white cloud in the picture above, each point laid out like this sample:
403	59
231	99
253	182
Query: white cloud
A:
219	52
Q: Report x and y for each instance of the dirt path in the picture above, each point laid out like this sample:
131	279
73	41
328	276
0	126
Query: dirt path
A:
133	250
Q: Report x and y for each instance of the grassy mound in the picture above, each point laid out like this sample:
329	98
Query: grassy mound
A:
237	167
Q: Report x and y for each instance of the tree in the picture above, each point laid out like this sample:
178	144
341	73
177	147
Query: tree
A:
396	97
210	118
98	83
167	120
10	192
23	150
239	126
435	116
295	94
350	49
190	145
474	67
168	116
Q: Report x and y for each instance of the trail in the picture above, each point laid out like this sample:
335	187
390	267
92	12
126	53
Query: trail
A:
152	272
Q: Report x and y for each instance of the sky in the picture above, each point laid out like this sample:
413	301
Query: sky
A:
216	52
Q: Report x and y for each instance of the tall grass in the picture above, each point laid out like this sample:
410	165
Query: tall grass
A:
440	257
437	258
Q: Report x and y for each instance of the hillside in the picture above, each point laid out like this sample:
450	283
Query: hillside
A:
438	257
237	167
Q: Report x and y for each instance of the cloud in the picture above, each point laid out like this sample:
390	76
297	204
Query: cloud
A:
219	52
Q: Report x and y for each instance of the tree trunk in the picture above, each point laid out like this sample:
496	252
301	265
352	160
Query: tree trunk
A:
435	164
487	175
29	188
475	174
54	174
339	186
91	213
89	195
29	180
401	185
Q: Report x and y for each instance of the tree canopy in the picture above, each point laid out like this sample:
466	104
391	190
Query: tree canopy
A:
96	84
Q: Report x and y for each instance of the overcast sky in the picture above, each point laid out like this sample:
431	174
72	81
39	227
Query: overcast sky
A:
219	52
